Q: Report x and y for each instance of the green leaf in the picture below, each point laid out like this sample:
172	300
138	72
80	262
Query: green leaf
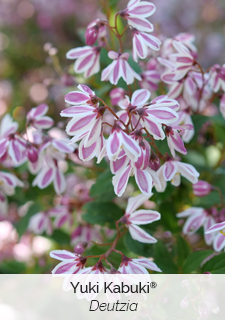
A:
22	225
163	258
215	265
210	200
12	267
102	213
60	237
194	260
103	188
183	250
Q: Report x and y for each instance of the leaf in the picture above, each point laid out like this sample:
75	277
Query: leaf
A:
210	200
102	213
198	121
194	260
142	249
103	188
12	267
183	250
215	264
22	225
60	237
163	258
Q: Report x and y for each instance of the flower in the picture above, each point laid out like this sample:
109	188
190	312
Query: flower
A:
119	68
217	78
40	222
118	140
8	183
98	268
141	42
160	110
197	217
48	175
88	60
86	233
171	171
36	117
86	116
136	14
123	168
95	30
137	266
132	219
202	188
179	63
174	140
219	239
11	143
71	263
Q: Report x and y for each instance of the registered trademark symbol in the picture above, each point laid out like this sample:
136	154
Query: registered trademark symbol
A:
153	285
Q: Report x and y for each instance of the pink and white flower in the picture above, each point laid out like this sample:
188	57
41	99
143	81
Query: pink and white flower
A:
119	140
174	140
36	117
86	233
141	42
86	115
119	68
133	218
171	170
137	266
47	175
62	215
71	263
202	188
150	115
197	217
95	30
87	60
217	78
41	222
218	231
136	13
11	144
8	183
123	169
178	64
98	268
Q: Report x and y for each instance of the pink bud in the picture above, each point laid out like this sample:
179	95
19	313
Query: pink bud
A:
202	188
32	153
91	35
80	247
154	162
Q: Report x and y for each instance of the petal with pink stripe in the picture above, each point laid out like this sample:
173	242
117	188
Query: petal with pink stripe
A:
140	235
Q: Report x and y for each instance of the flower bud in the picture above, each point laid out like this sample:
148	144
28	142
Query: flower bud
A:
154	162
202	188
80	247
